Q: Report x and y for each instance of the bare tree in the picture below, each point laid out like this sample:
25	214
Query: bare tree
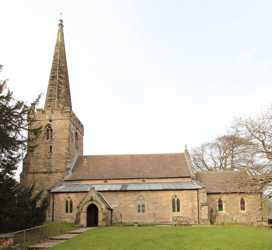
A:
247	146
258	131
226	152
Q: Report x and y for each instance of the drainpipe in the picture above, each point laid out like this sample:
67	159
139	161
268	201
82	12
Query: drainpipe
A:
111	216
198	208
53	207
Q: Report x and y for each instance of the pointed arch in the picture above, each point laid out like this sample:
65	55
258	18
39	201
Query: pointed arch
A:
48	132
220	205
76	139
175	204
242	204
178	204
140	204
71	206
68	206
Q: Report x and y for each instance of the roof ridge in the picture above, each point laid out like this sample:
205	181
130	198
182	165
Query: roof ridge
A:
143	154
222	171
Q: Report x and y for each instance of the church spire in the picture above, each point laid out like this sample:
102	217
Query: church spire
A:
58	91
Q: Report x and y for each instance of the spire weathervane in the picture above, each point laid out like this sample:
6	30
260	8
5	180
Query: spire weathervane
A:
60	18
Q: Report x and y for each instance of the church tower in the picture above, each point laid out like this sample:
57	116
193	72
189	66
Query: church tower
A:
61	139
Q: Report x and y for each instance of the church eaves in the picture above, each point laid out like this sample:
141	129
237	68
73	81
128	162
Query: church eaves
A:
58	91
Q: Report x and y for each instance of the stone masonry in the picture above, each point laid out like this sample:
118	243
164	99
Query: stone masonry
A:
112	189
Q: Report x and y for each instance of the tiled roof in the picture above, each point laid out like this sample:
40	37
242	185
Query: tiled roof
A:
226	181
76	187
130	167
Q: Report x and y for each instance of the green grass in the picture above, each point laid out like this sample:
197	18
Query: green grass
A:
228	237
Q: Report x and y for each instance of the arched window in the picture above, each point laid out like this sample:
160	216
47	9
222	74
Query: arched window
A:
220	205
71	206
175	204
68	206
48	132
178	205
143	207
242	204
140	205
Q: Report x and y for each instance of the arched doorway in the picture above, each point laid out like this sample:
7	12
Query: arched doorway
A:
92	216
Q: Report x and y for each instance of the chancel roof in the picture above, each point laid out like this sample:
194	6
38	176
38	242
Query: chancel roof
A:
227	181
130	167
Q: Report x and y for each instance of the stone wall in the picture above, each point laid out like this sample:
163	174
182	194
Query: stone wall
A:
231	208
158	206
203	206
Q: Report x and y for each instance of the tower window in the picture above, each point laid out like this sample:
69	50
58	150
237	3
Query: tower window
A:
175	204
76	139
50	149
242	204
220	205
48	132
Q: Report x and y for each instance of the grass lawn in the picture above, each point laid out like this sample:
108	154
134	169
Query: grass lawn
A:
228	237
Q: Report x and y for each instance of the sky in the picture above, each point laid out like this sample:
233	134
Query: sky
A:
146	76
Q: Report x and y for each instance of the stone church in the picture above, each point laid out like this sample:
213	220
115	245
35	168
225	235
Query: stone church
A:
98	190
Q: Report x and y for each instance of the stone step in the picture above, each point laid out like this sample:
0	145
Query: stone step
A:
79	230
63	236
55	240
46	245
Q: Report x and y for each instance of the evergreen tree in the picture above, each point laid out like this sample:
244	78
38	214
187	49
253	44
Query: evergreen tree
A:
20	207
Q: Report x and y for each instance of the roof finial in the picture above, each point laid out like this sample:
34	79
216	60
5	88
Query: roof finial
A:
60	19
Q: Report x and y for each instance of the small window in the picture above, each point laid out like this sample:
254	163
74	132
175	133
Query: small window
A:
139	208
220	205
71	206
76	139
143	208
50	149
242	204
175	204
48	132
141	205
68	206
178	205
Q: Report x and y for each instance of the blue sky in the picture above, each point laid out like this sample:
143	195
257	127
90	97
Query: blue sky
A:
146	76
